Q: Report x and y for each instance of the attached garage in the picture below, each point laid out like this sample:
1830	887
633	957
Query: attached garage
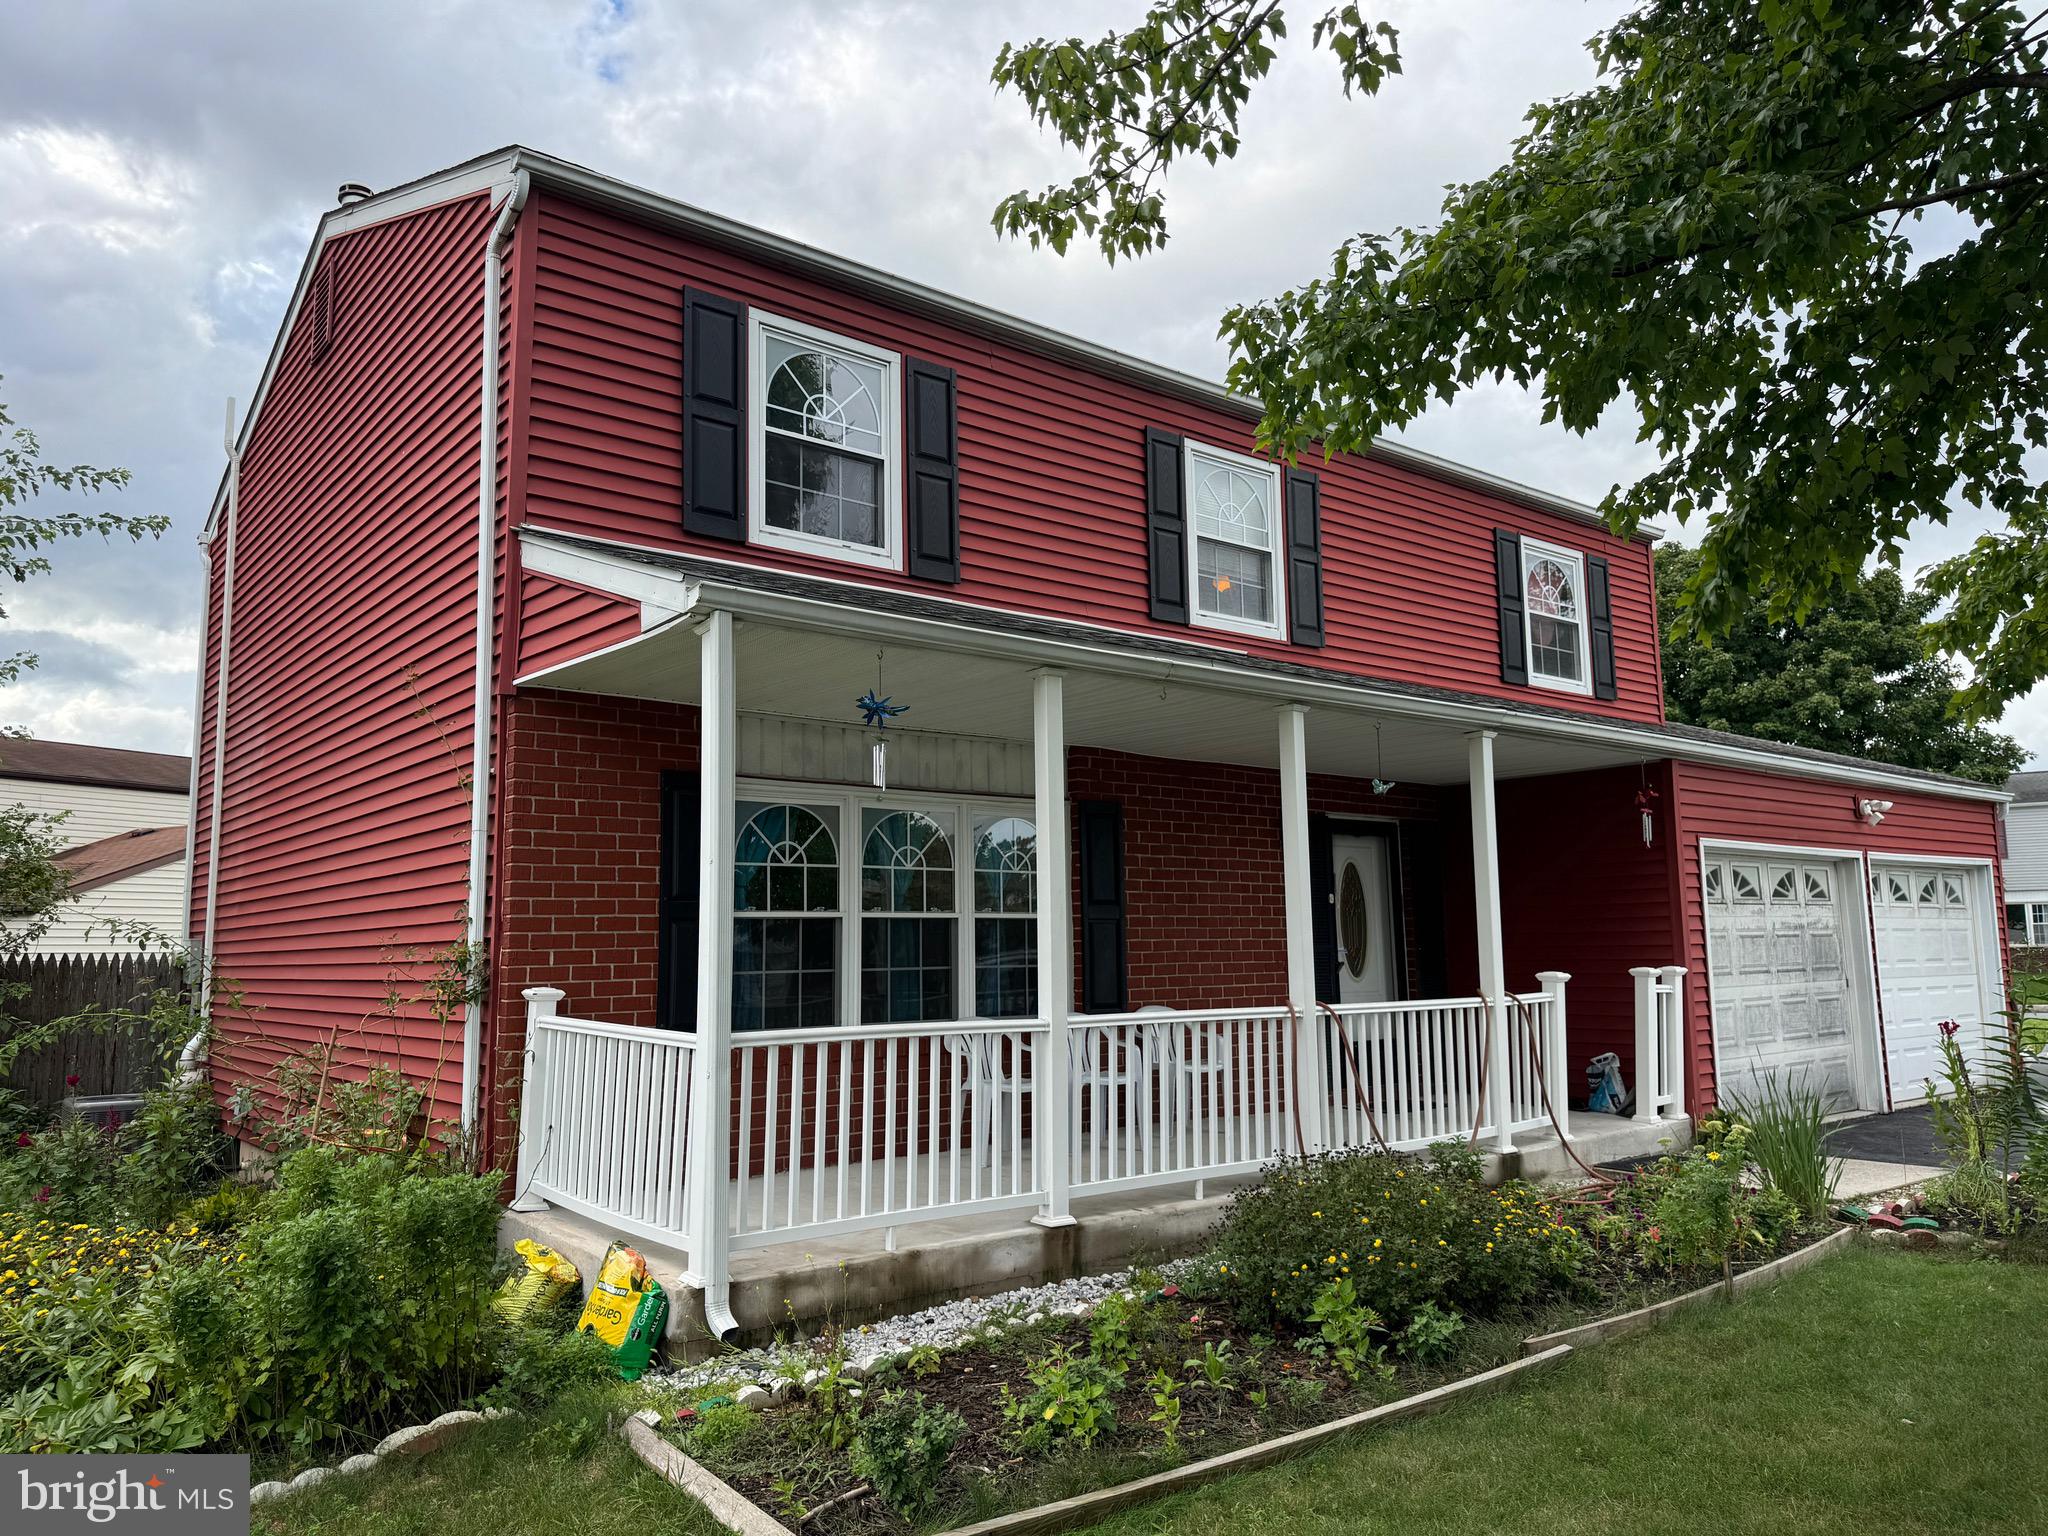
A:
1785	1005
1929	923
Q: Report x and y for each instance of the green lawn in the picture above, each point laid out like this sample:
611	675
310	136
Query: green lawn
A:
1873	1394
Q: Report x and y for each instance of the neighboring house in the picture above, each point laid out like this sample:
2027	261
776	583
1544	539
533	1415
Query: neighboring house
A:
1344	765
2026	860
124	831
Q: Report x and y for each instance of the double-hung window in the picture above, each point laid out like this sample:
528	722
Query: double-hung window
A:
1006	919
785	922
1554	609
1234	528
907	926
825	451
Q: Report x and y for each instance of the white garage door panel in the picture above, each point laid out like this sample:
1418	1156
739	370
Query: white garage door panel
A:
1781	997
1927	967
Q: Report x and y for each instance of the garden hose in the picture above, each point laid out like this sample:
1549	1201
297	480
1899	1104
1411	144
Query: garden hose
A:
1357	1078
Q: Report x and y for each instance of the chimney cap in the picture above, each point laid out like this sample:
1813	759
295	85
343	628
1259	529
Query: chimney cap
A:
352	192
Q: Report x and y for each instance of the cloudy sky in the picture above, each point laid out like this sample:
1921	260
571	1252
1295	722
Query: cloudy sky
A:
163	166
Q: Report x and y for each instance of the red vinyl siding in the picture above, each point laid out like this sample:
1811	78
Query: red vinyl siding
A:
345	829
1581	894
1743	806
1051	473
559	622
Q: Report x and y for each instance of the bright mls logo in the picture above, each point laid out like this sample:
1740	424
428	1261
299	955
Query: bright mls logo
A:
159	1495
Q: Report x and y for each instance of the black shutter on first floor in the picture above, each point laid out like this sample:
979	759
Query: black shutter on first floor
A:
1514	639
1422	844
1166	525
932	469
1304	557
714	416
675	990
1105	975
1322	897
1600	627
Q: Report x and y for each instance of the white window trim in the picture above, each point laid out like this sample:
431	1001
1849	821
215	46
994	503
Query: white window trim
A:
1537	549
968	812
890	556
1277	629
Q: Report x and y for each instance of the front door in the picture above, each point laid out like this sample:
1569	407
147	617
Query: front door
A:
1362	894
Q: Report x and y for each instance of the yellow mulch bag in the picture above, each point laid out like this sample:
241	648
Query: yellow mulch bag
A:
545	1280
628	1310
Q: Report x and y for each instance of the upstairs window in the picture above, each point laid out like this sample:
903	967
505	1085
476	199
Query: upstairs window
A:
1235	532
825	444
1554	609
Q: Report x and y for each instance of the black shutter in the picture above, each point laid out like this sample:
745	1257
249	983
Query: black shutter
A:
1166	525
1304	557
1423	844
1514	640
1105	974
714	416
931	415
1322	897
675	988
1600	632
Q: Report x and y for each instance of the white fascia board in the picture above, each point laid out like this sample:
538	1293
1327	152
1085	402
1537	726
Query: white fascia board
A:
590	186
630	578
494	173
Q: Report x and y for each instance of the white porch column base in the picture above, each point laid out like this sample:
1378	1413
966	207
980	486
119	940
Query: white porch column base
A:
1556	1070
533	1140
1486	907
1052	1106
711	1063
1647	1042
1311	1082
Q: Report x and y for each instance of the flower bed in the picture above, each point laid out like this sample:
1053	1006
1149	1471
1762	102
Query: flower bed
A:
1335	1285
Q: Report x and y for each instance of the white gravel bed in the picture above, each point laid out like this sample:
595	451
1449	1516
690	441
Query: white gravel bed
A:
949	1323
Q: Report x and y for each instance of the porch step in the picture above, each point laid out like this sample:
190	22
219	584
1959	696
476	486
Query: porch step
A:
796	1288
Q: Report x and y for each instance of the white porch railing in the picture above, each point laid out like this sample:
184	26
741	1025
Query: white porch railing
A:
1412	1073
849	1129
837	1130
1660	1033
604	1120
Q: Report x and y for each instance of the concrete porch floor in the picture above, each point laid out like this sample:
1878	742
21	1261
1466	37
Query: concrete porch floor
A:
798	1287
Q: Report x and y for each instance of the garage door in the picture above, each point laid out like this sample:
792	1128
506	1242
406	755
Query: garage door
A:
1781	999
1926	967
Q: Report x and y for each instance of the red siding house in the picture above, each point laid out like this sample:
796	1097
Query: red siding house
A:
1227	808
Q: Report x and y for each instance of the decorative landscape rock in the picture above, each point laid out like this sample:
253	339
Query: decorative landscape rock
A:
751	1396
263	1493
414	1440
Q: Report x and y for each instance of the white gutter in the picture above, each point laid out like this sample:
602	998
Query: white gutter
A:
188	1059
637	580
486	577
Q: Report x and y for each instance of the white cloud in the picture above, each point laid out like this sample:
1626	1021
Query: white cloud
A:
165	164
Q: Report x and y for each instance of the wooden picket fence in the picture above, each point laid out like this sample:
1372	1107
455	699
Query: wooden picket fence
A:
122	1060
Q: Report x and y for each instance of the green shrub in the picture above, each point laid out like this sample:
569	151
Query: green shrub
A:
1788	1141
541	1363
1431	1334
1403	1230
1348	1326
1069	1400
171	1148
902	1449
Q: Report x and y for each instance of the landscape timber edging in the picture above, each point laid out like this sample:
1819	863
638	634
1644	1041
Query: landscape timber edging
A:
729	1507
1606	1329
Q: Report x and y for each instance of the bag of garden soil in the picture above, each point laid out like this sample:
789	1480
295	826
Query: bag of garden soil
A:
627	1309
544	1279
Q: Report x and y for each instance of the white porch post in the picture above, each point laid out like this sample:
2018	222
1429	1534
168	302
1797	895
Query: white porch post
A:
533	1139
1554	1073
711	1066
1486	905
1052	1105
1648	1042
1310	1082
1671	1049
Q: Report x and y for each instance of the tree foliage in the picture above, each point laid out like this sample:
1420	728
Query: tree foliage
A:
1854	677
1724	232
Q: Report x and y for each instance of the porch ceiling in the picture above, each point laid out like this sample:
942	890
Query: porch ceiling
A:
816	674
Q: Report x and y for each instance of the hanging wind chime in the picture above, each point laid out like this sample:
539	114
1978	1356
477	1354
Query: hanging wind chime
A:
877	710
1646	807
1381	784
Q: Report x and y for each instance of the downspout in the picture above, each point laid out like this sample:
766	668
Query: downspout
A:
486	577
190	1056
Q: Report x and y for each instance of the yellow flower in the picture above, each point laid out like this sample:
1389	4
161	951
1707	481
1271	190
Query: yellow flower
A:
1713	1157
1049	1411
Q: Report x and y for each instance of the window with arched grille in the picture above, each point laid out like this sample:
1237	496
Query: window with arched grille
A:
1554	609
825	430
1006	918
1234	523
908	926
785	965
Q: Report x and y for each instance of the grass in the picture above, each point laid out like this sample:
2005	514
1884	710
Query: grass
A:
1874	1392
565	1472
